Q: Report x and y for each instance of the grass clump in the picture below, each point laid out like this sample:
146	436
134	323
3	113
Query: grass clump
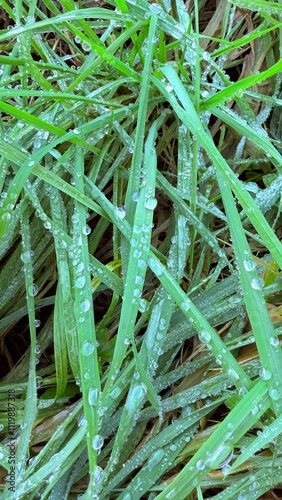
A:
140	249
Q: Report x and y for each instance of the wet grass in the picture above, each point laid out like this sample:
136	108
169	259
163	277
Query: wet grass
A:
140	226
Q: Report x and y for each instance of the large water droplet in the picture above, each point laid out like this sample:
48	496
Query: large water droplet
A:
156	267
142	263
232	373
121	212
97	475
93	396
204	337
127	496
249	265
257	283
151	203
265	374
200	464
87	348
185	305
155	458
25	257
274	341
274	394
33	290
155	8
85	305
97	442
79	282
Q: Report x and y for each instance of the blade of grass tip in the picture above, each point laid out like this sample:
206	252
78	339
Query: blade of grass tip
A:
89	364
217	448
64	320
55	442
139	251
60	344
194	171
53	466
190	118
30	408
260	5
122	6
30	162
137	157
268	434
91	13
69	5
89	67
166	436
240	125
191	217
151	391
104	273
27	166
207	334
230	92
261	30
263	330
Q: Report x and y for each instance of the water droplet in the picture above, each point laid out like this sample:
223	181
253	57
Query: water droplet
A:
127	496
249	265
80	267
135	196
257	283
33	290
25	257
232	373
156	267
274	341
85	305
226	469
121	212
151	203
97	442
200	464
97	474
204	337
86	230
86	46
80	282
265	374
155	458
6	216
142	305
155	8
169	88
37	349
274	394
76	131
185	305
93	396
87	348
142	263
137	253
37	323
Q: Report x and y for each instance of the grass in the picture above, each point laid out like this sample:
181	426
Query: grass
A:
140	227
